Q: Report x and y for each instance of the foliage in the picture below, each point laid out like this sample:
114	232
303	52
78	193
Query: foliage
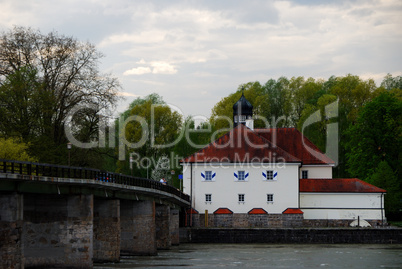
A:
376	136
374	148
152	131
162	168
222	113
14	149
390	83
192	139
44	78
384	177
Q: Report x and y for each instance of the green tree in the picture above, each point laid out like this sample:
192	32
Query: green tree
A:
193	138
44	78
222	112
375	138
20	100
279	97
317	132
384	177
304	92
390	82
14	149
153	131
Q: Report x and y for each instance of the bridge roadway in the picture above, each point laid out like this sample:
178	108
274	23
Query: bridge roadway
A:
71	217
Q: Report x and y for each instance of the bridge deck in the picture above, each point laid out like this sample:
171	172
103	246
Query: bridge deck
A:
47	178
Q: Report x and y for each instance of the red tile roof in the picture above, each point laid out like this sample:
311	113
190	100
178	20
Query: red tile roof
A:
337	185
292	211
223	210
257	211
295	143
241	145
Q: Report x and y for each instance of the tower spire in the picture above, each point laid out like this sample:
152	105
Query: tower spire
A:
243	112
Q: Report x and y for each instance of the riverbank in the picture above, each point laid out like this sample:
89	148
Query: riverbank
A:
292	235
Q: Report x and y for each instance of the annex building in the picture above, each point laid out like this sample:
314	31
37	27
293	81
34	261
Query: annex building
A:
270	178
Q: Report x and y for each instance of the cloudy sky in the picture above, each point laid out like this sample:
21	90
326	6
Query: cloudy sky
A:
193	53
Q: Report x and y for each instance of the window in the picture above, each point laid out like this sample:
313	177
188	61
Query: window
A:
270	175
241	198
241	175
270	198
305	174
208	175
242	118
208	198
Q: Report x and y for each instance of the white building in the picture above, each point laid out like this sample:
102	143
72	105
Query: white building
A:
273	172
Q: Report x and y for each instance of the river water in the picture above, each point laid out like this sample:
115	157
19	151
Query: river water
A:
267	256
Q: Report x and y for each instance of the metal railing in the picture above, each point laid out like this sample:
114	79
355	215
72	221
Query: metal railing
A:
61	171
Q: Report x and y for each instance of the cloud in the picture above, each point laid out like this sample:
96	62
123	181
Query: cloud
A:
157	67
163	68
127	94
137	71
181	48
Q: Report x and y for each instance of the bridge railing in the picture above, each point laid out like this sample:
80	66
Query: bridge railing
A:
62	171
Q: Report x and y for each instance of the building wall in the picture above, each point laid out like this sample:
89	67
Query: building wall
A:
315	171
224	189
342	205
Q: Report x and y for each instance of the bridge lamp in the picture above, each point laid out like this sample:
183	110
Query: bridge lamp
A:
69	146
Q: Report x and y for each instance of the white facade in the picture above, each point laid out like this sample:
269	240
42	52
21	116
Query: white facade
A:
349	206
317	171
224	188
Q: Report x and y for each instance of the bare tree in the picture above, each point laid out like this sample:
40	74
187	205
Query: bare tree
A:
66	75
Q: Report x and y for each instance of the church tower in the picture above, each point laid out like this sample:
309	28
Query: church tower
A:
243	112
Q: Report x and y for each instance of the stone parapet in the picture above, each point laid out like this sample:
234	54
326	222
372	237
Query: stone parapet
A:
244	220
294	235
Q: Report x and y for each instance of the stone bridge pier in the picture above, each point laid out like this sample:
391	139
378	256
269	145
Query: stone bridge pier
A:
58	230
76	230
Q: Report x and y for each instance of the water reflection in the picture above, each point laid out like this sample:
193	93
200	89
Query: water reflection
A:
268	256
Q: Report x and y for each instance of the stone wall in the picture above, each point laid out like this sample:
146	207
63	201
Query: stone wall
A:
58	230
11	247
106	230
239	220
336	223
174	227
162	220
294	235
138	228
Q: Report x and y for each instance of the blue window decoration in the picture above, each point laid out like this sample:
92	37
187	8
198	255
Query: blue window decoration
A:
270	175
241	175
207	175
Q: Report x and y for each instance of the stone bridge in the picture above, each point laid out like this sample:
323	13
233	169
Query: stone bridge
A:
70	217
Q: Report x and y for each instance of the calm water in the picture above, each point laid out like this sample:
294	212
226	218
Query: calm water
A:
268	256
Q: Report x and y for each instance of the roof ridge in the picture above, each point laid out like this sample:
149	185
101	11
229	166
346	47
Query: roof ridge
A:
263	145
